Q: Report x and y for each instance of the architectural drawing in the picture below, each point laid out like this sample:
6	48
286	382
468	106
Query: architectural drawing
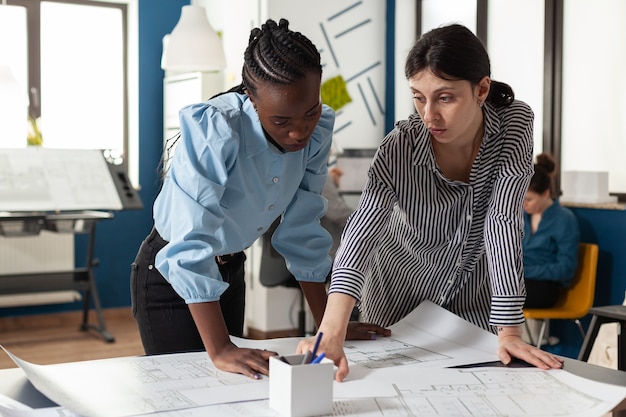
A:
389	352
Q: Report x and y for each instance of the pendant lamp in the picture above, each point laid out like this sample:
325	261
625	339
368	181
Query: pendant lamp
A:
193	44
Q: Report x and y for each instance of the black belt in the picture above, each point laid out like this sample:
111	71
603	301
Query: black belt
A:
224	259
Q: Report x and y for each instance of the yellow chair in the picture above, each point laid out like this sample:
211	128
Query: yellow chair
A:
576	300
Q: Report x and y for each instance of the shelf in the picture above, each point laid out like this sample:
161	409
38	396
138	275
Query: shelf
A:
19	289
602	206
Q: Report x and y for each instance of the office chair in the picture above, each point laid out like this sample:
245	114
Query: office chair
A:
575	301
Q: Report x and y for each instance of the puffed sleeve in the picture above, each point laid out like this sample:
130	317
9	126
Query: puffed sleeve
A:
187	211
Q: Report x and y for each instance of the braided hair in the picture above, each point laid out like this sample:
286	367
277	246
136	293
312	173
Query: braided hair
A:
275	54
278	55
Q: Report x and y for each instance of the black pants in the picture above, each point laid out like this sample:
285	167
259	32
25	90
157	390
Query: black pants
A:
164	320
542	293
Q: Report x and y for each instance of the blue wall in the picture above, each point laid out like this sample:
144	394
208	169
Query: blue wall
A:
117	240
607	228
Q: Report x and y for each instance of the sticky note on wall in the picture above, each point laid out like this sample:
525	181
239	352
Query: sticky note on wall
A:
335	93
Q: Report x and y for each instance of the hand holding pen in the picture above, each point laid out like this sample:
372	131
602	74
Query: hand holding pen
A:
310	356
330	347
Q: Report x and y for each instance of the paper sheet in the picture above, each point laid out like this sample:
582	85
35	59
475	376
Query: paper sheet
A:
402	375
485	392
43	179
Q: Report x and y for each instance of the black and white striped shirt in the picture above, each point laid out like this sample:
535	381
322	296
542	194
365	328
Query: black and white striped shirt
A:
418	236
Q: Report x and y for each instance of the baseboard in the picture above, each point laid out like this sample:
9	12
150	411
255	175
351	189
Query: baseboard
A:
38	321
257	334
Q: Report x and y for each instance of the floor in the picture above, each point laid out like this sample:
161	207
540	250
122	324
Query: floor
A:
56	338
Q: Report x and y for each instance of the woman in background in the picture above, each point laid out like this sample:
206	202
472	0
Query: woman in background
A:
551	238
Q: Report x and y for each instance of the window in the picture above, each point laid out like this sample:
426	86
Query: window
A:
76	72
594	126
516	50
436	13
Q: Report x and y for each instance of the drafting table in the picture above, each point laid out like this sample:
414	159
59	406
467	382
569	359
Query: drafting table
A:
61	191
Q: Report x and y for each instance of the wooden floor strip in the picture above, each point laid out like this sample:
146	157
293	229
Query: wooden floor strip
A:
57	338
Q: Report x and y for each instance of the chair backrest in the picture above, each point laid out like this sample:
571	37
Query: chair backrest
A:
578	298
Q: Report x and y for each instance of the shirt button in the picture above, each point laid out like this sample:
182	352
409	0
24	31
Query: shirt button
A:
150	267
275	180
442	298
271	207
450	281
469	217
260	229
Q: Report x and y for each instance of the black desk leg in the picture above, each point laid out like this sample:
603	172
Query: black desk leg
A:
621	345
108	337
592	333
590	338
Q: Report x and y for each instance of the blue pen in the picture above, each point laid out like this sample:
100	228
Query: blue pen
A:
319	358
316	345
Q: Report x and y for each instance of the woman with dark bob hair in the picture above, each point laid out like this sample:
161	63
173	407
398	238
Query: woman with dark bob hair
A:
440	217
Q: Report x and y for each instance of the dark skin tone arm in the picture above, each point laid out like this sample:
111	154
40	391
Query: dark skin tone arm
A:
315	294
224	354
255	362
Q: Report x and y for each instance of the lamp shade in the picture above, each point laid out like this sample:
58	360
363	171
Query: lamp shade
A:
193	45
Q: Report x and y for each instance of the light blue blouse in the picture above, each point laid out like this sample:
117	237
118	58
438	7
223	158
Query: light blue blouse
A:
227	184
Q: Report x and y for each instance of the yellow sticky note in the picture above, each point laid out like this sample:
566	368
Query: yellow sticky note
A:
335	93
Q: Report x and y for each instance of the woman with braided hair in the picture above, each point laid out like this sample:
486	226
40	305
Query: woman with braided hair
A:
242	159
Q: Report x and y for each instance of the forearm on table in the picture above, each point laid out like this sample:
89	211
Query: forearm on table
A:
337	315
211	325
315	294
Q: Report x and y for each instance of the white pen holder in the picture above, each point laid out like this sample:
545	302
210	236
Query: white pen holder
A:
298	390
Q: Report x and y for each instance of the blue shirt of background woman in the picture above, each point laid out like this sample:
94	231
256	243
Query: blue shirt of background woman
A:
551	251
550	242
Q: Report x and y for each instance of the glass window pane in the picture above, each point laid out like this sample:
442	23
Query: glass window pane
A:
436	13
513	26
82	97
594	103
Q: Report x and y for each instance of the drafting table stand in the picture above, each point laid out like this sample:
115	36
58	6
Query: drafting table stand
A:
78	279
